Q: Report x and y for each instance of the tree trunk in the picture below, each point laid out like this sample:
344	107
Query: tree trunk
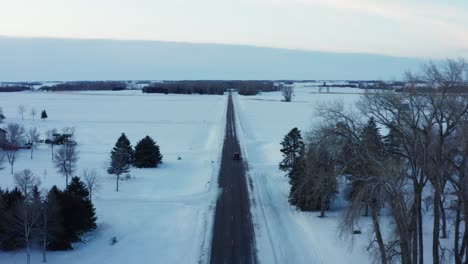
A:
117	183
28	253
378	235
11	168
465	210
420	227
444	220
436	226
414	234
32	148
322	208
456	239
366	210
44	238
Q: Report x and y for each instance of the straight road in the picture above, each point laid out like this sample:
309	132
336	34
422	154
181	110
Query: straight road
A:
233	230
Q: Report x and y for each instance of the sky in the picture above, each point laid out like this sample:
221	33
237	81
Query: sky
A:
408	28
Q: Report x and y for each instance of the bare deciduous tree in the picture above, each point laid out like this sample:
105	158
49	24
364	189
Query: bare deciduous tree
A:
52	226
50	136
32	136
14	137
28	213
25	180
33	113
287	91
65	160
92	181
21	111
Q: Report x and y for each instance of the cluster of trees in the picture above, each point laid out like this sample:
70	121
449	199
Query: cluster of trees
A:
145	155
14	88
87	86
210	87
52	219
186	87
17	137
254	87
22	111
310	169
422	159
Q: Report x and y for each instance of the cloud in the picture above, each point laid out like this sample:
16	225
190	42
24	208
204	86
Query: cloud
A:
441	20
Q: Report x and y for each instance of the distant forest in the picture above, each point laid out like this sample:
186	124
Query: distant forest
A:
14	88
210	87
87	86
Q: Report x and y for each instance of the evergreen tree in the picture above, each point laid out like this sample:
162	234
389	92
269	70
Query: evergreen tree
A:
371	138
313	183
325	184
121	158
292	148
297	178
10	237
55	233
44	115
125	146
78	189
77	212
147	153
392	143
370	149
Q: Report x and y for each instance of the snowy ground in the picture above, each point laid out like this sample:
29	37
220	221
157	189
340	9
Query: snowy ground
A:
283	234
161	215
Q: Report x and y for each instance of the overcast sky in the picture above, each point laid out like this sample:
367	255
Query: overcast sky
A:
414	28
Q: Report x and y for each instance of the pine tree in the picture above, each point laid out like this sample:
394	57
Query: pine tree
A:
147	153
392	143
55	238
292	148
10	237
124	144
371	138
44	115
77	212
371	149
78	189
313	182
297	177
121	158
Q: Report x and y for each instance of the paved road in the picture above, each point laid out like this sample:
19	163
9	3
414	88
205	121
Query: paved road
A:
233	231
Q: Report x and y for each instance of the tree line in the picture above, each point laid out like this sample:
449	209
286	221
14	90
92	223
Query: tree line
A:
14	88
415	169
87	86
210	87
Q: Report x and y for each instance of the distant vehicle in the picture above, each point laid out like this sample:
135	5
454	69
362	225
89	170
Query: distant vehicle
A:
236	156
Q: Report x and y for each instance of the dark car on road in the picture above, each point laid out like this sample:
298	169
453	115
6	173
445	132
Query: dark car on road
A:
236	156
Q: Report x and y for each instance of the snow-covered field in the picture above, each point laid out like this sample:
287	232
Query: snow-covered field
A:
161	215
283	234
